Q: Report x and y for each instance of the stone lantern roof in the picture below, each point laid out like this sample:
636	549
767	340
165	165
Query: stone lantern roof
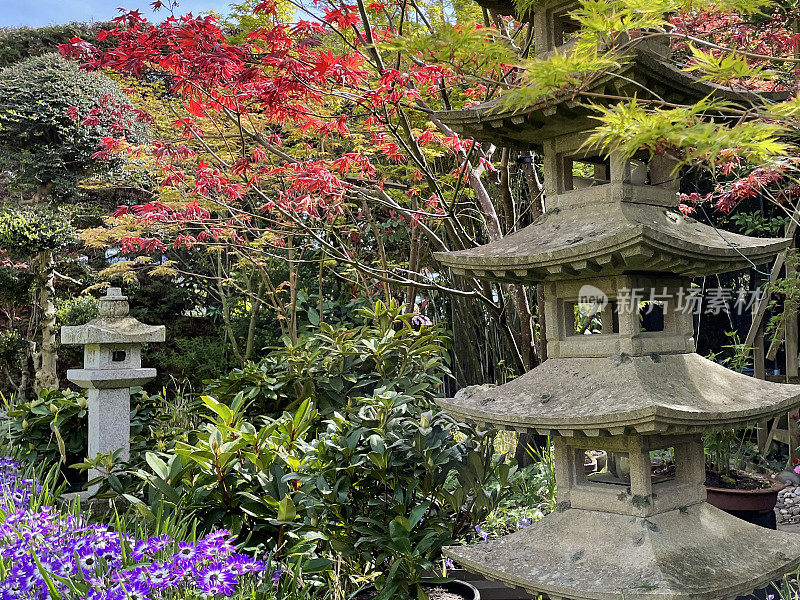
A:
697	553
655	394
112	341
610	239
113	326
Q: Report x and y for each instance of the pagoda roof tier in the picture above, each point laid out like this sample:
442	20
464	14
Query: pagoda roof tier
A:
695	553
112	330
621	394
611	238
648	74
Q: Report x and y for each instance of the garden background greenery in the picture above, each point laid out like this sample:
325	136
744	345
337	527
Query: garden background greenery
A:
271	186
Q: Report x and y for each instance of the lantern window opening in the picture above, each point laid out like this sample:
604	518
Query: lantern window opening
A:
617	472
565	29
591	318
584	172
118	356
653	171
651	316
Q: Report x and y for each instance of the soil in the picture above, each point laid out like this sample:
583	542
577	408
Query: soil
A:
434	593
743	481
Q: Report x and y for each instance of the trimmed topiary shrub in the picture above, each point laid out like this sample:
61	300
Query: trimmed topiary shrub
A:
53	117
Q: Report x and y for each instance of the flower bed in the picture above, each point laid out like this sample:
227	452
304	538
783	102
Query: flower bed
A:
47	554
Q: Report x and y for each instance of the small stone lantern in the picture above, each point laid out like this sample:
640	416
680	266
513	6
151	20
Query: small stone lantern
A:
112	364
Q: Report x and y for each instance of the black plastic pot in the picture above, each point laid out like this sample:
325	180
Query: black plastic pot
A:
455	586
462	588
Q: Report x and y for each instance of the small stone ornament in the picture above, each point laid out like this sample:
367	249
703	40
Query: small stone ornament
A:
112	364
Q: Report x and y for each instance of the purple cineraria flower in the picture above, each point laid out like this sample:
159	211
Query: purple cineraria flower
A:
157	544
242	564
217	544
89	562
217	578
523	523
160	576
187	552
481	532
449	564
137	591
276	576
139	550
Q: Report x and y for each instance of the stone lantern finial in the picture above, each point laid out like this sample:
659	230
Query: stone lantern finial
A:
112	364
114	304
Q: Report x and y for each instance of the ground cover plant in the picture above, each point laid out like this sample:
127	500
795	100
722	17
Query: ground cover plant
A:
58	553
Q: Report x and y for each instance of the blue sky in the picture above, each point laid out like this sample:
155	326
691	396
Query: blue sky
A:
35	13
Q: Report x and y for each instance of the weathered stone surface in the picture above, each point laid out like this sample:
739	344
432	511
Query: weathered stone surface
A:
112	330
679	393
101	379
697	553
611	238
113	326
109	422
789	478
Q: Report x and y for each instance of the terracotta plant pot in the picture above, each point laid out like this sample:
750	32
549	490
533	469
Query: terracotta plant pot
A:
602	459
589	464
756	501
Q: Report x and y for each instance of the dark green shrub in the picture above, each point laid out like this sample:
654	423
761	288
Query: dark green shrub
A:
24	232
380	488
76	311
12	351
43	146
396	482
51	428
191	359
232	474
333	366
18	43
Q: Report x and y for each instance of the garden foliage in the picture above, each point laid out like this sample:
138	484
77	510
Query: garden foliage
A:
42	143
62	555
334	365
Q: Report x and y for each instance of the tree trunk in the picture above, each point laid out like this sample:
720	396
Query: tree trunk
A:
536	191
46	351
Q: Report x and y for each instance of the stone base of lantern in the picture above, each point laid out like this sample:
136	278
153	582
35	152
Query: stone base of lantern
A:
109	424
694	553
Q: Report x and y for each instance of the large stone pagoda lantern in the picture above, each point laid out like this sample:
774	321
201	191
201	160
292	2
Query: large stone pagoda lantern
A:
112	364
610	239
